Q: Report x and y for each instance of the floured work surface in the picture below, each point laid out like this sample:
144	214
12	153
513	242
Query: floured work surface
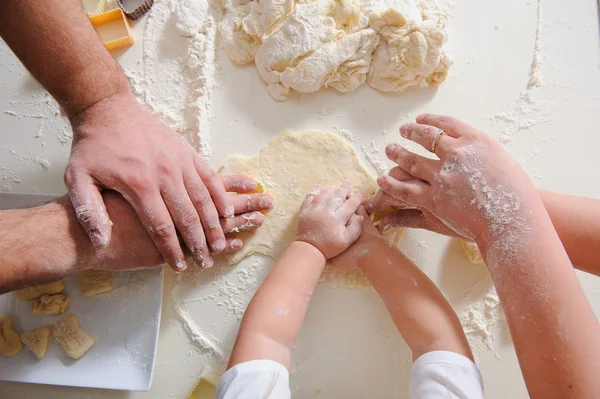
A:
289	167
124	323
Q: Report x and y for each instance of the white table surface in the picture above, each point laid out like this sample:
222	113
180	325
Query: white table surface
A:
348	346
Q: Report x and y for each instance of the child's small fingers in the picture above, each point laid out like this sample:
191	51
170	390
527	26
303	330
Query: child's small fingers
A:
310	197
353	229
349	207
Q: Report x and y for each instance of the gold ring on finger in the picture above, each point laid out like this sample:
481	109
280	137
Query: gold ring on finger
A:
438	136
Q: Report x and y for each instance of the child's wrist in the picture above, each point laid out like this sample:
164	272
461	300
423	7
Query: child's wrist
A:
310	250
367	248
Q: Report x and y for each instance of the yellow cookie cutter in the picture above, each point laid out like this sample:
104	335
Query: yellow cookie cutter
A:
107	17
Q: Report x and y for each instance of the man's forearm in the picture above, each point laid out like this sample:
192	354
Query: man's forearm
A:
40	244
424	318
61	49
274	316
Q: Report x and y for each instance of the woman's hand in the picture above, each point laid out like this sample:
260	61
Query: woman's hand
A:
475	188
328	221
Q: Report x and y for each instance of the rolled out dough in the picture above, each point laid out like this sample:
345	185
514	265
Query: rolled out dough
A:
289	166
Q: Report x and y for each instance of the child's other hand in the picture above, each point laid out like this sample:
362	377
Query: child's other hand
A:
351	257
328	221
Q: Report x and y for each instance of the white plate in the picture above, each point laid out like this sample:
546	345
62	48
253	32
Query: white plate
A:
124	322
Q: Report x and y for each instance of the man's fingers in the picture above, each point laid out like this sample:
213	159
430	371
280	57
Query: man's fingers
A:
188	225
350	206
205	209
454	127
89	207
233	245
414	192
243	203
425	136
246	221
215	187
416	165
353	228
155	217
238	183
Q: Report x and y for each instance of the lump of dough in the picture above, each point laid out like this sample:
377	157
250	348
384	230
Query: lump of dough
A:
37	340
10	342
48	305
304	45
92	282
74	340
472	252
36	291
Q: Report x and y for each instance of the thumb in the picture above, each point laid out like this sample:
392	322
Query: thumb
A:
411	218
89	208
353	228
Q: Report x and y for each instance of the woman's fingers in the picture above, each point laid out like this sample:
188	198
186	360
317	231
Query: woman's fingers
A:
452	126
427	136
415	165
414	192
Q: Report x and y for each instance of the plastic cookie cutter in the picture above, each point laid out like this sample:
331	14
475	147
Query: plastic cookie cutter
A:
113	29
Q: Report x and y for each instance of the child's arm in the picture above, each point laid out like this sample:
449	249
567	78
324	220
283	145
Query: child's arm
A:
424	318
426	321
327	225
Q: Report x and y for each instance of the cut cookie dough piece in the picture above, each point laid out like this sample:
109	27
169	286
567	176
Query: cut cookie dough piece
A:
10	342
92	282
282	167
74	340
472	252
36	291
49	305
37	340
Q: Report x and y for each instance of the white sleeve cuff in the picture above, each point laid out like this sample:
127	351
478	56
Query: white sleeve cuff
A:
442	374
256	379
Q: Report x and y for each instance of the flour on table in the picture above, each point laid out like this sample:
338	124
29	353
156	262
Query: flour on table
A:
305	45
289	166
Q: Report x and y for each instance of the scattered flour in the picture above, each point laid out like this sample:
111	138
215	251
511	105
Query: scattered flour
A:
371	153
482	320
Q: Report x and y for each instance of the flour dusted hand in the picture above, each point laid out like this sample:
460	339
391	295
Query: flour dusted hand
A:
328	219
476	188
121	146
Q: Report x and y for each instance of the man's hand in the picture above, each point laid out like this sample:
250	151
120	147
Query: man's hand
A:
131	247
327	219
121	146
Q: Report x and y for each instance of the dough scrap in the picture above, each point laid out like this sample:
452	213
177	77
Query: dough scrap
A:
92	282
37	340
10	342
472	252
36	291
304	45
288	167
48	305
74	340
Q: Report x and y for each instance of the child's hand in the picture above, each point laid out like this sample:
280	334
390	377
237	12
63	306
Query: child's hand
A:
327	219
351	257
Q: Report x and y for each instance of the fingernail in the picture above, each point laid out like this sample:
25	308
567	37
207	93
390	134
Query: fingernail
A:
389	149
265	202
420	117
99	239
181	265
380	181
208	263
219	245
404	130
386	228
237	244
249	185
229	211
